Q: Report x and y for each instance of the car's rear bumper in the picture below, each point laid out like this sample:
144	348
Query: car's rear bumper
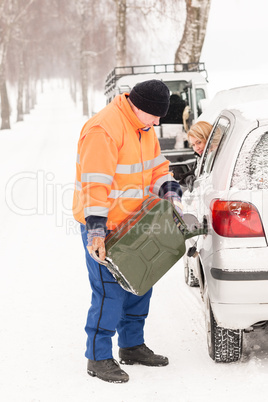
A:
239	316
238	286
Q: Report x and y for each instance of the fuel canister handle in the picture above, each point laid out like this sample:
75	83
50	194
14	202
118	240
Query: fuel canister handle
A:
95	257
114	270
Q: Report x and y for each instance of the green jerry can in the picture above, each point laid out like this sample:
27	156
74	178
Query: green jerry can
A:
147	244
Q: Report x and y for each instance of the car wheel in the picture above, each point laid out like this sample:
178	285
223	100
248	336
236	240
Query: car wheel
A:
189	276
224	345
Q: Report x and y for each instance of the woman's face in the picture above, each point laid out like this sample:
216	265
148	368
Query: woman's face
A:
197	144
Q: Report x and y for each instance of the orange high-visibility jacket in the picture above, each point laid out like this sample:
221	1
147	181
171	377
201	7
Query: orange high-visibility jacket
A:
117	164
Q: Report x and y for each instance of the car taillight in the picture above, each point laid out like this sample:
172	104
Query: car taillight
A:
235	219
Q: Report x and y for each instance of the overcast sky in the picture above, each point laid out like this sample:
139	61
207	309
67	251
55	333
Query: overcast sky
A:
235	48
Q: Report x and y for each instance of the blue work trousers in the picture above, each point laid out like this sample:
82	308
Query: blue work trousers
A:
112	309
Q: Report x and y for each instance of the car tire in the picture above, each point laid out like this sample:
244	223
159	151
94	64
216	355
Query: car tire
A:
224	345
189	276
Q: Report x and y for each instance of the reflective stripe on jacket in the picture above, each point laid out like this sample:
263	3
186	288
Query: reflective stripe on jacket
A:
117	164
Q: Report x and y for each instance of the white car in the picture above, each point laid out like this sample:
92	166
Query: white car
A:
230	194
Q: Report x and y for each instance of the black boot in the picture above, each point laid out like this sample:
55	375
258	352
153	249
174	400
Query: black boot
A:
141	354
107	370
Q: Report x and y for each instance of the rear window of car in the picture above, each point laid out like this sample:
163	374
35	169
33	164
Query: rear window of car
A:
251	169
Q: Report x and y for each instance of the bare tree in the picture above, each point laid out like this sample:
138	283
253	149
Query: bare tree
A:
11	12
84	63
4	41
121	48
190	47
20	111
90	37
160	26
83	40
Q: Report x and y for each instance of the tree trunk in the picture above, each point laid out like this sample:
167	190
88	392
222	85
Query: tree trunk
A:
27	96
120	33
20	87
84	81
27	99
5	109
72	84
33	94
190	48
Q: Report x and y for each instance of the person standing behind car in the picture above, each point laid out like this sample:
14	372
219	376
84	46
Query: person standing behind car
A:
197	138
118	163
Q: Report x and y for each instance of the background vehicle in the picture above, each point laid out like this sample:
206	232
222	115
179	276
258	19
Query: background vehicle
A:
188	89
231	194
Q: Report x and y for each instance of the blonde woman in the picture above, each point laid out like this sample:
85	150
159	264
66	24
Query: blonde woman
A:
197	137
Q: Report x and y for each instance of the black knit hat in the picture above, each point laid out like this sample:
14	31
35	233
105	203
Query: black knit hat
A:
151	97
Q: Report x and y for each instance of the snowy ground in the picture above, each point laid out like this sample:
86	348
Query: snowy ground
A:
45	292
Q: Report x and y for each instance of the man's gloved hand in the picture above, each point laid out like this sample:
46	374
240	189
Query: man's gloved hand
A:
95	242
175	199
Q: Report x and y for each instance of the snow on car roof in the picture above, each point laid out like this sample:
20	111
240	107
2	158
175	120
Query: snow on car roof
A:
230	98
254	110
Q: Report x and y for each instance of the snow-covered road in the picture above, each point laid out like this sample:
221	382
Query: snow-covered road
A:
45	293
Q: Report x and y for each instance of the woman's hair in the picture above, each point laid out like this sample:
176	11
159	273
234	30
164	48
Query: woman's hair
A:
200	130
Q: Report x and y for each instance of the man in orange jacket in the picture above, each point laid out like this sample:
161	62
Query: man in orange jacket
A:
119	163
